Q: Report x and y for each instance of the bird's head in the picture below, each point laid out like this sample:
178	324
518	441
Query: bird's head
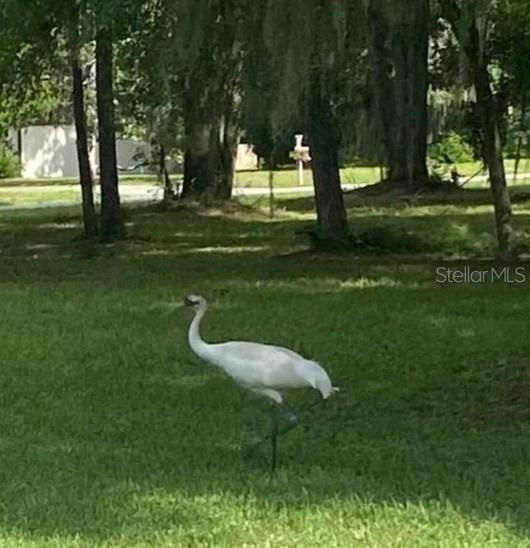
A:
194	301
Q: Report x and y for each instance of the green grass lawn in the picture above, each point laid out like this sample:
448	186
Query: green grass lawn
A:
469	168
66	181
113	434
282	178
34	195
257	178
288	178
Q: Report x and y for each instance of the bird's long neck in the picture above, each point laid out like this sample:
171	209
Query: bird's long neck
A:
197	344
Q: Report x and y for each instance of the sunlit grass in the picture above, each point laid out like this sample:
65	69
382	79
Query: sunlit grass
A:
14	197
470	168
113	434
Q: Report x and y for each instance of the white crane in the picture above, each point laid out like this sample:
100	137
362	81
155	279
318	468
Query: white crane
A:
264	369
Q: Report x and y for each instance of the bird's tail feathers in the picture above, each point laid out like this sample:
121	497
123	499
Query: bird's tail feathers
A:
326	390
323	384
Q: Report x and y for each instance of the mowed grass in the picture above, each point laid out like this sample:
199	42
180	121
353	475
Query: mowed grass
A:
37	196
113	434
287	177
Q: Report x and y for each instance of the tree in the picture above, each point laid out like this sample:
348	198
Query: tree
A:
40	52
81	128
148	92
180	63
511	51
470	22
27	60
83	158
211	55
399	38
323	139
308	44
111	227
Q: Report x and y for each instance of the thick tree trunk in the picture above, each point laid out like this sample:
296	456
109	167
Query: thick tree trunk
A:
323	141
229	139
211	116
201	141
399	36
200	155
227	167
211	148
83	158
418	85
111	222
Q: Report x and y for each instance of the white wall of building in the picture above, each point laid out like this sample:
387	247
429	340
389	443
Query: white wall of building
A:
246	157
127	152
50	151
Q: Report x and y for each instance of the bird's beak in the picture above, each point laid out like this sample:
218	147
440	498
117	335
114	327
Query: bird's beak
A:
188	302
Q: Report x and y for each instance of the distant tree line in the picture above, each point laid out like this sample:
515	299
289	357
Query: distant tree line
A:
375	80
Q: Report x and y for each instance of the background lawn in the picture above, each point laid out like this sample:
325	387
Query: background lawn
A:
9	197
113	434
286	177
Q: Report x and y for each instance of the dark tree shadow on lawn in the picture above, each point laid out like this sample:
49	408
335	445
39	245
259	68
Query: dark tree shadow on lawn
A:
463	197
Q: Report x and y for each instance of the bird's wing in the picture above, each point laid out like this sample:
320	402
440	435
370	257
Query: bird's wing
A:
260	365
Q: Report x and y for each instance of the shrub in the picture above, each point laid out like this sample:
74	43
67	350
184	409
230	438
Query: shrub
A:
420	237
9	163
451	148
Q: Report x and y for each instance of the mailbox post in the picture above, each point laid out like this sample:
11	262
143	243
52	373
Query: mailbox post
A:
300	153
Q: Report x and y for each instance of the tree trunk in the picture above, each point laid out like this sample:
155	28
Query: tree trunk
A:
201	145
211	148
211	110
200	158
471	43
493	157
83	158
111	222
522	128
229	139
323	141
163	175
399	35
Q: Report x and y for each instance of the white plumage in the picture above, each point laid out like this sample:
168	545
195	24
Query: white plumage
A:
262	368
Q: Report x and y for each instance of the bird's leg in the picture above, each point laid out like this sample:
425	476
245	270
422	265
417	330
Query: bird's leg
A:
274	436
277	432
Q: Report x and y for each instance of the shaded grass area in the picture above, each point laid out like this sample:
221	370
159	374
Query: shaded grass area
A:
113	434
456	223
